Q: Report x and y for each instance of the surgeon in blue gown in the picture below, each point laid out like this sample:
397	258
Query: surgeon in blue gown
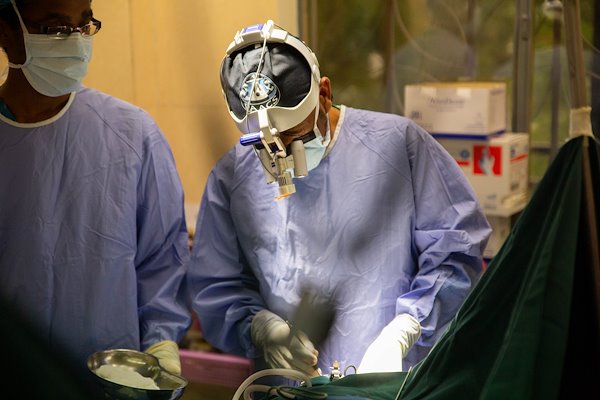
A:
92	231
385	222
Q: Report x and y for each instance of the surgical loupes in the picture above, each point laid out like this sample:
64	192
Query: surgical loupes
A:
279	164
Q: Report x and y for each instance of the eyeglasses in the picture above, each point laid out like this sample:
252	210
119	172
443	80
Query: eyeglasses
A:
62	32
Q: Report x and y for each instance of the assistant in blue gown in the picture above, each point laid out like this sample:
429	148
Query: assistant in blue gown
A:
93	240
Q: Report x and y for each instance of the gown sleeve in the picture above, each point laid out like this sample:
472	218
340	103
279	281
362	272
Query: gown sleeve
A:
162	243
224	291
449	237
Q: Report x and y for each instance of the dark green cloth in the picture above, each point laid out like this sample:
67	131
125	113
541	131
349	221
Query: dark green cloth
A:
510	338
384	386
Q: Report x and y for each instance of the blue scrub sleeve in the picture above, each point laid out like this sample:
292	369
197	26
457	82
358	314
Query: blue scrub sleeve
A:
225	292
162	244
450	235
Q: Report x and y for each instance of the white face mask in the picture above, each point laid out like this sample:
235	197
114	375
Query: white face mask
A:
314	149
54	67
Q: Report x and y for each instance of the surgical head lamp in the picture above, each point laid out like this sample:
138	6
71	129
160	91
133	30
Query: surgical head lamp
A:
264	119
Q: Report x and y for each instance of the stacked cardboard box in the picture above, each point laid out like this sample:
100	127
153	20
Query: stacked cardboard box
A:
469	120
463	109
501	227
497	168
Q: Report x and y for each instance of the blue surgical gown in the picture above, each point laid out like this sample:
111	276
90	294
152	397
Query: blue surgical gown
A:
93	241
387	224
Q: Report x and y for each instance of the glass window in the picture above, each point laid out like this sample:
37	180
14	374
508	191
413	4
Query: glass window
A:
372	49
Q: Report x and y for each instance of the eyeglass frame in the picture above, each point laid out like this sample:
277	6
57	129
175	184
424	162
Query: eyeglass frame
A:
64	34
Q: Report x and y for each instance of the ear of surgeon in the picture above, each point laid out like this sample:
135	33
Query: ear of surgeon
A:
308	124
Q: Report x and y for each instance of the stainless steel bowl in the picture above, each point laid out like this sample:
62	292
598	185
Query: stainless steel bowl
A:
171	386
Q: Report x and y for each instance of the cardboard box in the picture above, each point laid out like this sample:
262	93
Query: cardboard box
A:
457	108
501	228
497	168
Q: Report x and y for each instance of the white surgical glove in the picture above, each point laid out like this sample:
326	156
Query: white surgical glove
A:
386	352
272	334
167	353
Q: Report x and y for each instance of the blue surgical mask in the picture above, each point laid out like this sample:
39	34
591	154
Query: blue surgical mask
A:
54	67
314	149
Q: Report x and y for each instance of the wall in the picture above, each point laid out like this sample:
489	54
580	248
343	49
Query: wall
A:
164	56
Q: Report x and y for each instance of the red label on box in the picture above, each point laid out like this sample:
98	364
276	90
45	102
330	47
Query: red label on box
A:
487	160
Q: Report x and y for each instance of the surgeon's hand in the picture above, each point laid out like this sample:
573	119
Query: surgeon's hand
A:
282	350
385	354
167	353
